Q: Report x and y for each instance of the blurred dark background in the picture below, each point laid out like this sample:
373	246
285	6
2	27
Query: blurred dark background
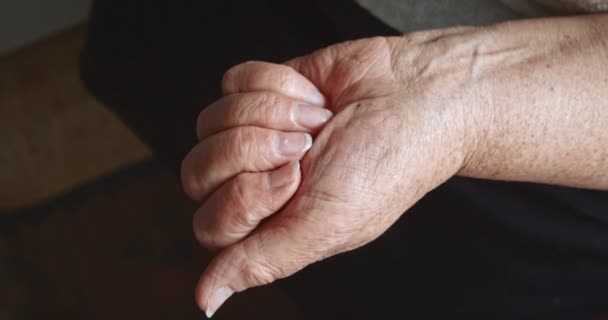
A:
91	225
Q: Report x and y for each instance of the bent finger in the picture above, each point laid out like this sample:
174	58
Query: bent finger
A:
236	208
261	109
265	76
244	149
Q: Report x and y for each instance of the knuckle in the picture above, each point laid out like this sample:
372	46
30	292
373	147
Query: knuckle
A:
259	273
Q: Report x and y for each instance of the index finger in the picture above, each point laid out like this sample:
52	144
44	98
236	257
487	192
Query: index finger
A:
265	76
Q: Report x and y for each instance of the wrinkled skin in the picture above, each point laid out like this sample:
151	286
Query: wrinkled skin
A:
518	101
398	131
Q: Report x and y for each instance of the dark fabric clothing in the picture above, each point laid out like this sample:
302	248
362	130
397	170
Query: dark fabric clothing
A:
472	248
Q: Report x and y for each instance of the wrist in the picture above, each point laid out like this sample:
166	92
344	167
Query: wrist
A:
436	70
530	77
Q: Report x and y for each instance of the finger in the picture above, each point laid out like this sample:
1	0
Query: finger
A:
275	250
224	155
262	109
238	206
264	76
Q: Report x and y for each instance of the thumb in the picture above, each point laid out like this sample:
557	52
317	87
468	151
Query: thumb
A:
275	250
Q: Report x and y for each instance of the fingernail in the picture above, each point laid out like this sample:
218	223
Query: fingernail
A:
216	300
311	117
291	143
284	175
316	97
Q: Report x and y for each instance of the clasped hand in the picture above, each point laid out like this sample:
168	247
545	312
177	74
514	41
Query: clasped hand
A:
273	202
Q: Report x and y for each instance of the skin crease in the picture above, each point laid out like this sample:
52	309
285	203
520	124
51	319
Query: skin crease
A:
522	101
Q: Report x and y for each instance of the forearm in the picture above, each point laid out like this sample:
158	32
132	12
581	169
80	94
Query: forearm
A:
540	106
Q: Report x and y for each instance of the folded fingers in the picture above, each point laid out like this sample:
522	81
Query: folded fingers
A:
238	206
243	149
262	109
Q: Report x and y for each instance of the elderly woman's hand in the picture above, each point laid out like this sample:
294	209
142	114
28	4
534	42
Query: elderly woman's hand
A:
397	133
246	167
522	101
